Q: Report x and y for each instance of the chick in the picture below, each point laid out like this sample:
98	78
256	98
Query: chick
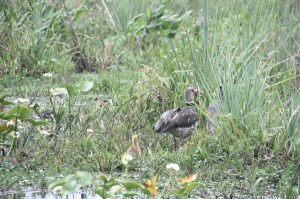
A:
134	149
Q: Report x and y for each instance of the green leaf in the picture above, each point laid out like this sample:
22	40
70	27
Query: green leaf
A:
110	184
179	193
85	86
85	177
18	111
36	122
132	185
190	187
3	101
147	192
104	178
103	193
4	128
185	15
128	194
71	89
60	182
70	186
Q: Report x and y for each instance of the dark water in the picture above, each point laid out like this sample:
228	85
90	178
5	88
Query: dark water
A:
48	195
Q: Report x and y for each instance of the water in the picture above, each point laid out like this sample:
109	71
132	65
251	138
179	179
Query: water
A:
30	194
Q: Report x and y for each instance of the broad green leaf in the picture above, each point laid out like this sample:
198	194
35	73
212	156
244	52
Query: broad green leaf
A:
85	86
147	192
128	194
60	182
103	178
190	187
18	111
110	184
179	194
85	177
4	128
103	193
132	185
3	101
36	122
71	89
70	185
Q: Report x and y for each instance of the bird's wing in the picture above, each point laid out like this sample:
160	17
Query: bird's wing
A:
186	117
166	121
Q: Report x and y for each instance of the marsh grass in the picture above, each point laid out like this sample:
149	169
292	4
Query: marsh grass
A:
251	49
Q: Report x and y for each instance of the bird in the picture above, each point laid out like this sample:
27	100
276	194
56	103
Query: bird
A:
134	149
214	109
180	122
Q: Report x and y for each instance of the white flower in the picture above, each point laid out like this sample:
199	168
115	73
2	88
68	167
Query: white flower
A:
115	188
126	158
89	131
23	101
173	166
47	75
45	132
58	91
10	123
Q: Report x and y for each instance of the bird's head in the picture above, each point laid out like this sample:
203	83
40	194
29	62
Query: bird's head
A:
135	139
189	95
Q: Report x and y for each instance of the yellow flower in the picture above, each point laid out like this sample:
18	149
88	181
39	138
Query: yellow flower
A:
189	178
151	186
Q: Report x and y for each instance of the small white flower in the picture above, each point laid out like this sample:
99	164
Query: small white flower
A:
115	188
45	132
23	101
173	166
58	91
89	131
126	158
47	75
10	123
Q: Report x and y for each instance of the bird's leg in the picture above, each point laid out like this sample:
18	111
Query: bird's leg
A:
175	144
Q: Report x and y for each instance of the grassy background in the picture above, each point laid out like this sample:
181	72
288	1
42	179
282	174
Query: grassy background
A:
251	48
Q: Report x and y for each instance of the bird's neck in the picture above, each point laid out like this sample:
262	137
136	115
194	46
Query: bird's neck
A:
190	104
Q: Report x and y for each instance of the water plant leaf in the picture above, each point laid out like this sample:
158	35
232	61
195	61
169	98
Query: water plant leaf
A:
191	186
131	185
70	186
128	194
36	122
3	101
110	184
189	178
103	193
85	86
85	177
4	128
151	186
103	178
60	182
19	111
71	89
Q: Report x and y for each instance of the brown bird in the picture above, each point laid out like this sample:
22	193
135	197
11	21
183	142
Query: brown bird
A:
214	109
180	122
134	149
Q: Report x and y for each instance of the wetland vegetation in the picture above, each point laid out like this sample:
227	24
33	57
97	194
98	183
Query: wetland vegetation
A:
80	78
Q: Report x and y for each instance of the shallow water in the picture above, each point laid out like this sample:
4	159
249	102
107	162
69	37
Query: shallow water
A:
48	195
